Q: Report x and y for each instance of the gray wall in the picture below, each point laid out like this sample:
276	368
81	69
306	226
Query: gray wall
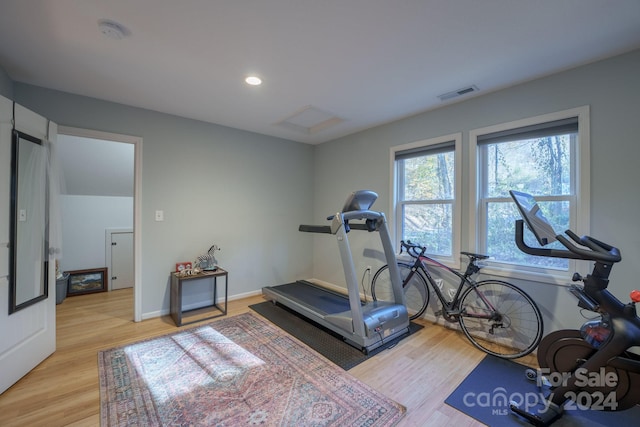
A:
248	192
245	192
6	84
610	87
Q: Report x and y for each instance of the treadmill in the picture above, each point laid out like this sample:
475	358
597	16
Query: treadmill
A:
365	326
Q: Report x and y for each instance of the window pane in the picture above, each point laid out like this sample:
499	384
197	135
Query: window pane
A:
536	155
429	225
537	166
501	234
429	177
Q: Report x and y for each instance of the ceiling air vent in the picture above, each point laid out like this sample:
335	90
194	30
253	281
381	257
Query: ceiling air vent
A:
458	92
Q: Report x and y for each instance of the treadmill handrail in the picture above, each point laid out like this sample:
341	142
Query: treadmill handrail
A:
315	228
341	218
361	215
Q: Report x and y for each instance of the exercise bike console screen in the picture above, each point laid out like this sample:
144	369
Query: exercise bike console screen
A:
534	217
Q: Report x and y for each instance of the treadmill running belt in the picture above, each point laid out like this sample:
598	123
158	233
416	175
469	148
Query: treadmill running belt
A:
320	299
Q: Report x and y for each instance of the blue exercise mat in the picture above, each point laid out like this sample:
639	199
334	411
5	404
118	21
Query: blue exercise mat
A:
486	392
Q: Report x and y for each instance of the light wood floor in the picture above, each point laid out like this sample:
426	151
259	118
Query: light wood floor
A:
419	373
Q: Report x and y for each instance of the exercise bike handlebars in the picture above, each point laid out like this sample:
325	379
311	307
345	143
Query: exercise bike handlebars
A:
599	344
592	250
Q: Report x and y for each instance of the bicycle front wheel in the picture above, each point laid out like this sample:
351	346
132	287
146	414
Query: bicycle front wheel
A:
500	319
416	292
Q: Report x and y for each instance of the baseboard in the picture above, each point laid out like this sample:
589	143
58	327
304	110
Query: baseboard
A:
166	312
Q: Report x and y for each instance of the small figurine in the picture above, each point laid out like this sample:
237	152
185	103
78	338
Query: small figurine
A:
189	272
208	262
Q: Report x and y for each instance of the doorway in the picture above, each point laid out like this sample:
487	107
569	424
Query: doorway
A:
123	142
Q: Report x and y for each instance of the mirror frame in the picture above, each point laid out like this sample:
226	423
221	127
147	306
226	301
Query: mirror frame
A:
13	232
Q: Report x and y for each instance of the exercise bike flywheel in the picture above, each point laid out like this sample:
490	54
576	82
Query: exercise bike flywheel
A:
562	352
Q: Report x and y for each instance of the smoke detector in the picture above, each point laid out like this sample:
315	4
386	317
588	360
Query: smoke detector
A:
112	29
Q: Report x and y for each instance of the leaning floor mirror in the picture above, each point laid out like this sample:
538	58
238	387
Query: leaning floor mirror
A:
28	247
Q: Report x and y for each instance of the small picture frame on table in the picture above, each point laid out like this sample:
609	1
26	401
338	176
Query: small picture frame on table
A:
87	281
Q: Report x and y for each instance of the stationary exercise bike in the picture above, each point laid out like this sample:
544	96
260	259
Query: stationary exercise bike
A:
592	367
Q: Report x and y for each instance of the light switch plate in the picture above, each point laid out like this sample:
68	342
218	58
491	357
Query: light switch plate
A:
159	215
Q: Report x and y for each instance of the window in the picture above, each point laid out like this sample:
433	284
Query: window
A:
545	156
426	195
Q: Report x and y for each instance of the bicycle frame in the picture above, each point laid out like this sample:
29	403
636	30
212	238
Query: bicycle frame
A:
496	316
451	305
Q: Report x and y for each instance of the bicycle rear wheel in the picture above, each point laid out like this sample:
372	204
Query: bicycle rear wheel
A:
416	292
513	329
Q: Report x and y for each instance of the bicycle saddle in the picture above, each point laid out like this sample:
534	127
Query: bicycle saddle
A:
476	256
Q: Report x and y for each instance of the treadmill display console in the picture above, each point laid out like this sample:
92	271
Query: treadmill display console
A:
360	201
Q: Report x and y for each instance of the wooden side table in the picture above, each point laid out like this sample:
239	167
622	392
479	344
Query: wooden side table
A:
181	317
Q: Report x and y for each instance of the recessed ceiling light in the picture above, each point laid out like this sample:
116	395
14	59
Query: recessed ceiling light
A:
253	80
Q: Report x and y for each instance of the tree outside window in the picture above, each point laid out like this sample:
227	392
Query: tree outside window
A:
540	166
427	194
546	156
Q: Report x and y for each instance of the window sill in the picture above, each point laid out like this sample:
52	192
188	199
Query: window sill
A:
559	278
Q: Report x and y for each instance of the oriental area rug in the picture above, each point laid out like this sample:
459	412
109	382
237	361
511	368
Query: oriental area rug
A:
237	371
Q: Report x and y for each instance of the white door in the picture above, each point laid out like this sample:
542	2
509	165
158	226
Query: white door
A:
121	260
28	336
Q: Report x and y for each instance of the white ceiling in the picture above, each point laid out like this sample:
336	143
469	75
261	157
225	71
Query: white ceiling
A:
95	167
367	62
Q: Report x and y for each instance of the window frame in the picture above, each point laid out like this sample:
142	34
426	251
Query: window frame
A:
580	200
452	261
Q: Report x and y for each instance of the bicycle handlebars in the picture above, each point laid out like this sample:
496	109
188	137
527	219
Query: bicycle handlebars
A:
593	250
412	248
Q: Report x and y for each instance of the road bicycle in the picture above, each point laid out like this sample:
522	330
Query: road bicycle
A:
496	316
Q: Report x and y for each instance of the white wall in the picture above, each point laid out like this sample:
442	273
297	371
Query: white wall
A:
611	89
84	220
